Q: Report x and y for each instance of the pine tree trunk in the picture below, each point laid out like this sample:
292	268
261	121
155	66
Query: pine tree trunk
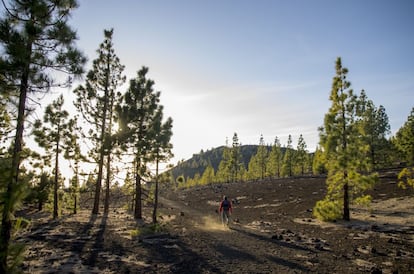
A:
56	185
133	202
138	192
98	186
109	149
346	216
75	206
95	209
154	213
76	188
107	192
373	156
6	225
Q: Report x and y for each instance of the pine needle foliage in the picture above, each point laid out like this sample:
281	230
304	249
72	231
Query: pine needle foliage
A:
404	141
342	139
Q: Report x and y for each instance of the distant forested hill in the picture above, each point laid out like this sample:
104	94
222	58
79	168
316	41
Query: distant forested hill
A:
199	162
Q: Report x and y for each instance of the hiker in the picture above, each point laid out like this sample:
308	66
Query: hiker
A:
225	210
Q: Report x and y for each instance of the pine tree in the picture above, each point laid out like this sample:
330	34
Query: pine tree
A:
208	175
42	190
287	167
36	40
262	153
253	172
136	115
51	135
258	162
95	102
344	148
223	173
274	163
319	162
161	133
235	159
110	141
73	153
128	189
375	126
301	155
404	141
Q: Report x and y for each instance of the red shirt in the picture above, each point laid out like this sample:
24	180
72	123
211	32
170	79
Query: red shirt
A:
226	206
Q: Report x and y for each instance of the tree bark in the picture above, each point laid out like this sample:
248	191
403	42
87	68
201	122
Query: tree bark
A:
346	216
76	187
154	213
56	184
138	193
95	209
107	188
6	225
75	204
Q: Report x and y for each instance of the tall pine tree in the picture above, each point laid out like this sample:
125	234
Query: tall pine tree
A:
302	155
223	173
287	167
136	115
274	164
52	135
75	157
258	162
345	150
235	159
161	148
95	102
376	128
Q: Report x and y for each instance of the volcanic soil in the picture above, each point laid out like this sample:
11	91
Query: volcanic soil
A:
272	231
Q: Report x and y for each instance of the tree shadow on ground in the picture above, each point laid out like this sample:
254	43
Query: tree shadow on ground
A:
99	240
289	245
103	249
177	257
232	253
275	259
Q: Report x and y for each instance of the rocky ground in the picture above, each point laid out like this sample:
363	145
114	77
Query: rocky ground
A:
272	231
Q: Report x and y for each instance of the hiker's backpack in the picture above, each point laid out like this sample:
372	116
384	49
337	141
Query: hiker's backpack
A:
225	204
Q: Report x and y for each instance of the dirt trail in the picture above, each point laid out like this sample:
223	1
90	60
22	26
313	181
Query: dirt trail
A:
241	249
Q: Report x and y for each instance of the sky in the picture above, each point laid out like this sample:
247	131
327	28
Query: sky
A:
256	67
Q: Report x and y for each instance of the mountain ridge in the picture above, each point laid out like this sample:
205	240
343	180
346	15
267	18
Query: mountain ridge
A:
198	162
